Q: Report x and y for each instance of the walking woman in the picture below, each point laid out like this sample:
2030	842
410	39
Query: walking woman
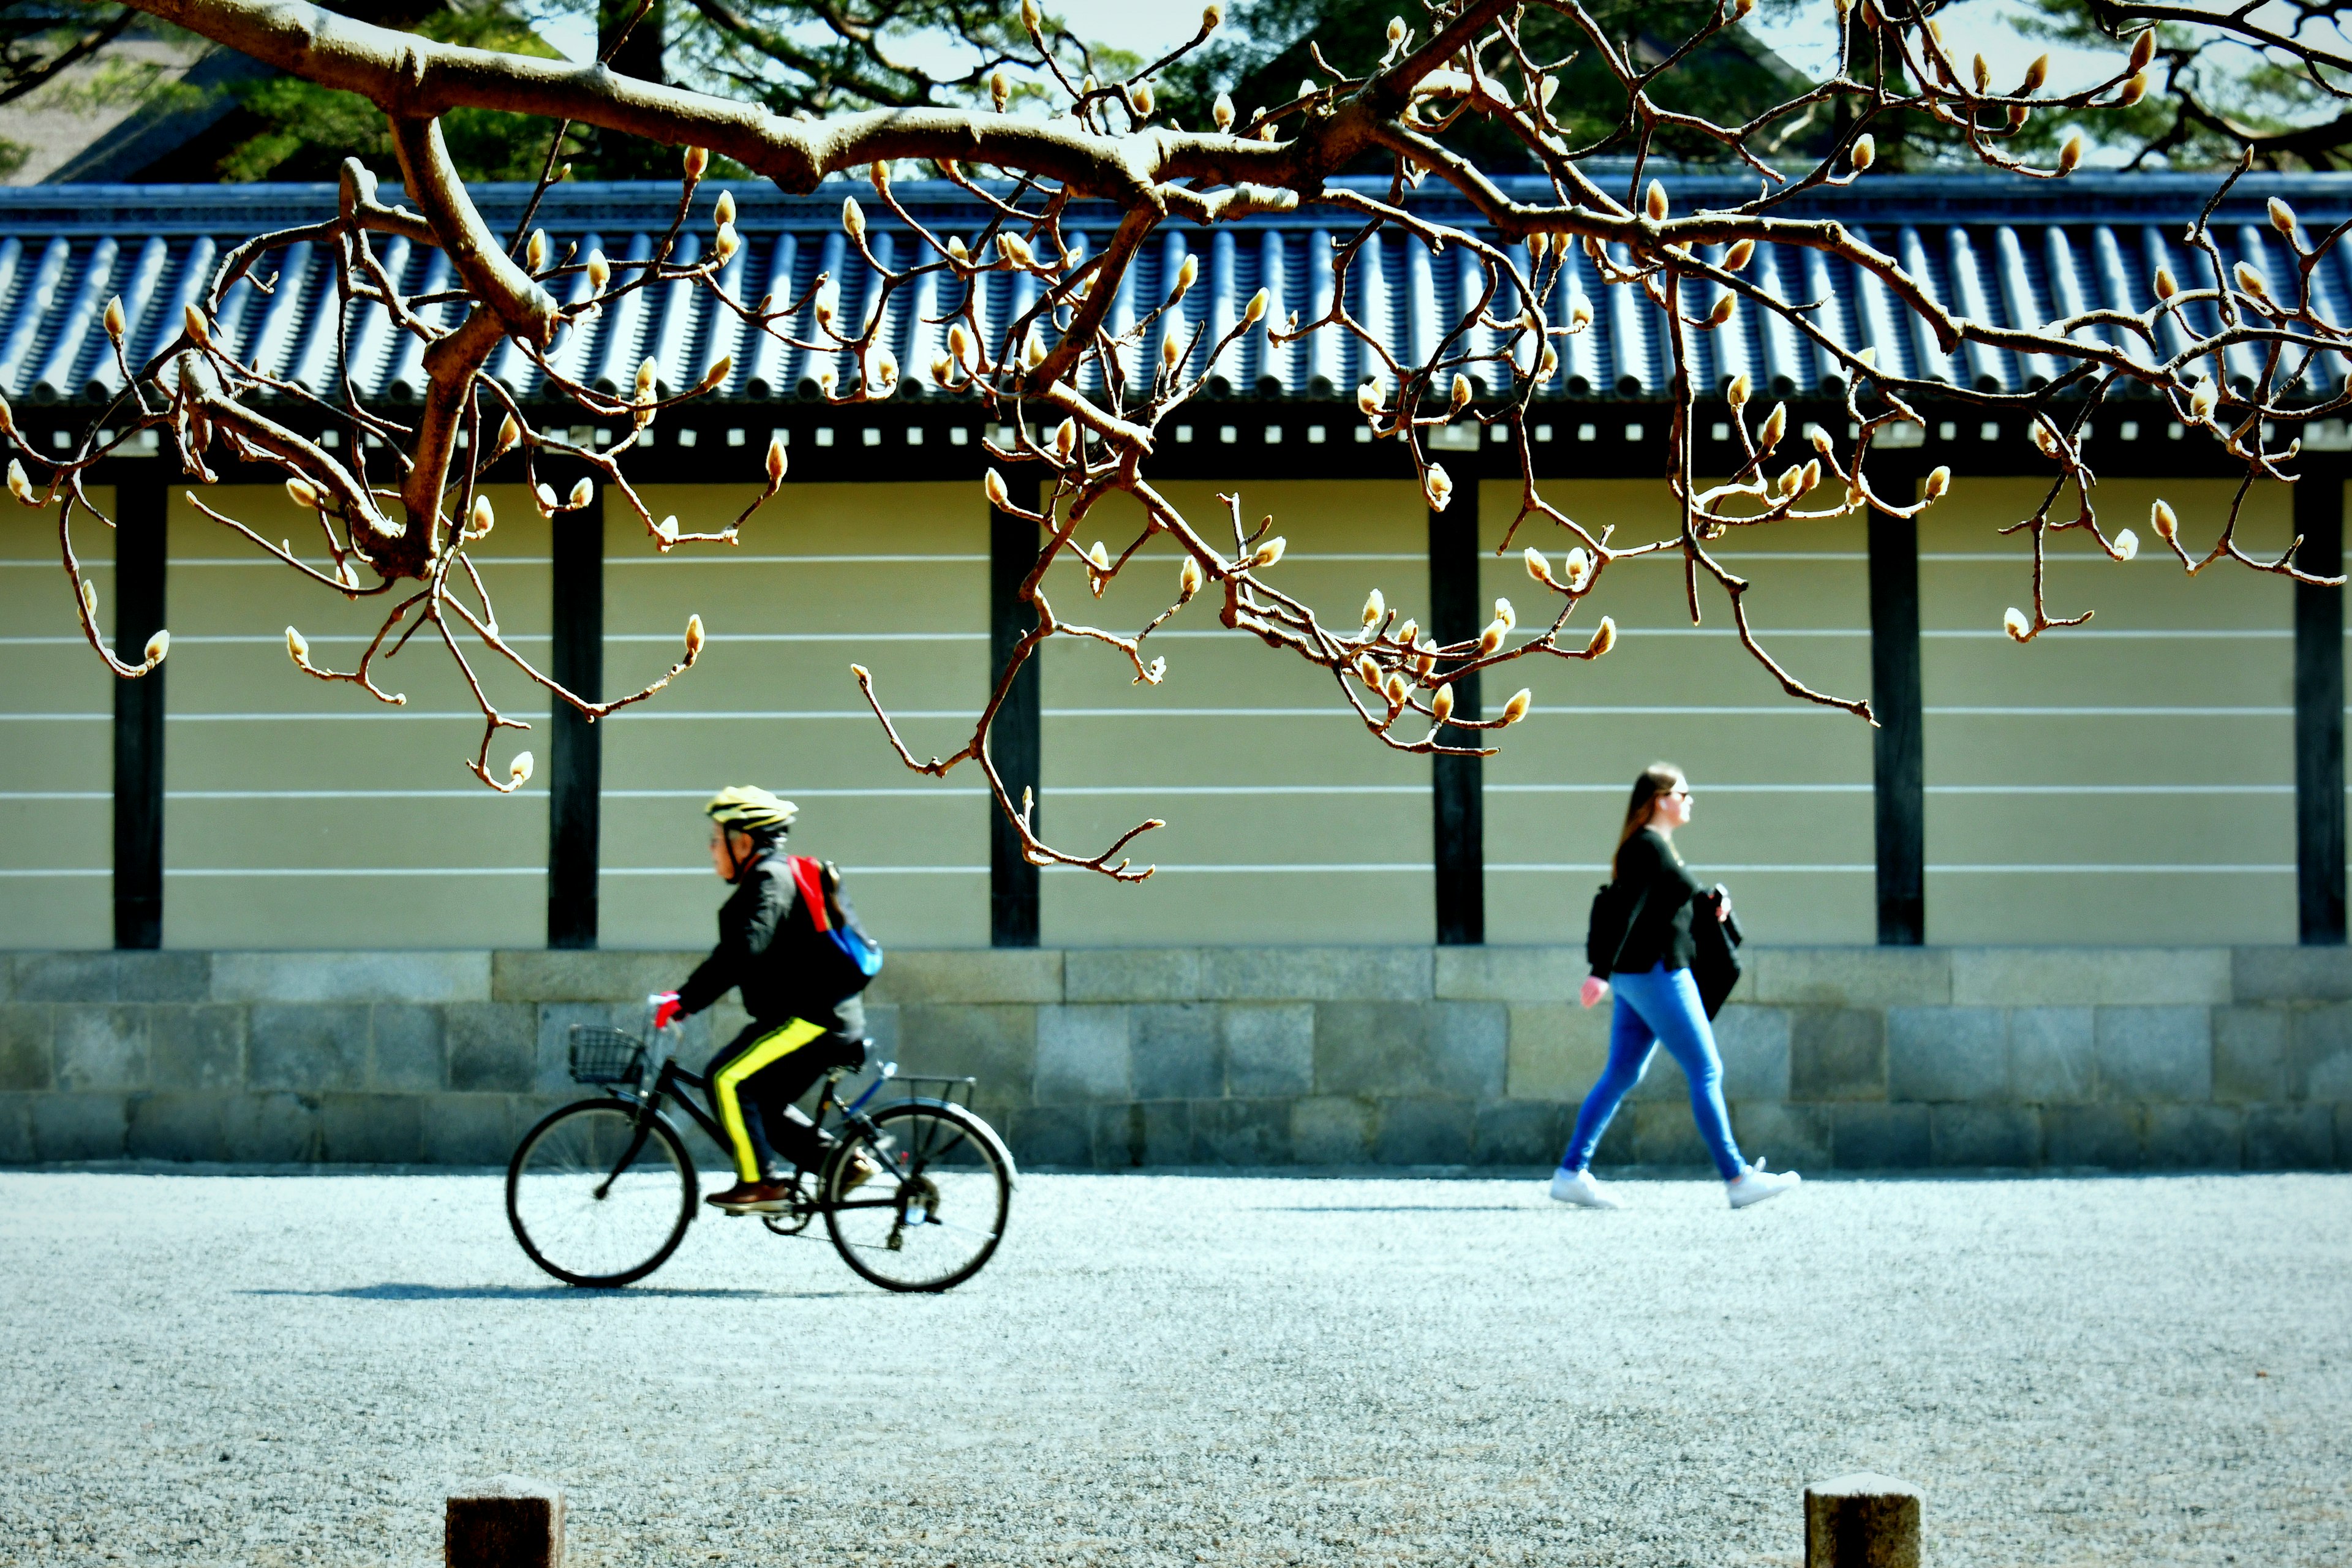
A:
1657	1000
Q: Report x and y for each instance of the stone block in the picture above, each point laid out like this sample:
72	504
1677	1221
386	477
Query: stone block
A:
1083	1054
2090	976
1793	1137
1241	1132
2344	1136
1861	1520
182	1125
65	976
2287	1138
1179	1052
1269	1049
2291	974
1330	1130
101	1046
1557	1050
1317	974
2005	1136
1947	1054
2321	1065
1422	1132
996	1043
2251	1054
1662	1080
271	1129
196	1046
2194	1138
1370	1049
2053	1056
350	977
1849	976
71	1126
1131	974
1665	1135
573	975
26	1037
408	1052
1118	1136
492	1046
369	1128
1052	1135
2155	1053
508	1521
308	1048
882	1029
1880	1137
1837	1053
1521	1133
970	974
17	1127
1469	1049
2106	1137
1166	1126
1508	973
1754	1045
466	1129
162	977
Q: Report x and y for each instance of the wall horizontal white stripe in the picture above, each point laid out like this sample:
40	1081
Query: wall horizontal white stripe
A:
1335	711
704	872
959	792
1261	869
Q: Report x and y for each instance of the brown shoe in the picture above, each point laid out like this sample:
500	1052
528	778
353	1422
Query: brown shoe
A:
753	1198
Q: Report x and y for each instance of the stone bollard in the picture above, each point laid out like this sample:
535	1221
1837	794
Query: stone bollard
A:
507	1521
1862	1521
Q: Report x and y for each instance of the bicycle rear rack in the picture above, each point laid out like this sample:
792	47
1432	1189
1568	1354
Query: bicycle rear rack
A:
957	1091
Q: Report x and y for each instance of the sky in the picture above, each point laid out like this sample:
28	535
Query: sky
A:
1805	34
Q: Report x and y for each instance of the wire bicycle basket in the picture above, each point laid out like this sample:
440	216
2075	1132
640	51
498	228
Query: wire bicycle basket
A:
600	1055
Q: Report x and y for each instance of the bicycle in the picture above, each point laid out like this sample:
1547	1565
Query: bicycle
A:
600	1192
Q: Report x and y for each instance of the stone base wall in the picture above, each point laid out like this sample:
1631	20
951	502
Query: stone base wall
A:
1833	1057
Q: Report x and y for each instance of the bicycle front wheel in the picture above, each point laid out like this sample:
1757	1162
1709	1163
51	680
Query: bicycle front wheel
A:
595	1198
935	1211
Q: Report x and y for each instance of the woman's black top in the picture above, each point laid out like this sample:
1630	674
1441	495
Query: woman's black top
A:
1661	933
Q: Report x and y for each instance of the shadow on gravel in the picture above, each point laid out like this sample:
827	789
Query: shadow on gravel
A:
397	1292
1400	1209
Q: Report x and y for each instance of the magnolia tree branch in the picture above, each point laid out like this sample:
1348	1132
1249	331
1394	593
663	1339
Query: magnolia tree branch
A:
1084	391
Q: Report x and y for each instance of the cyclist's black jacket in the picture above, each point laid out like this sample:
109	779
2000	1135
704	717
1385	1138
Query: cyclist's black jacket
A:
762	924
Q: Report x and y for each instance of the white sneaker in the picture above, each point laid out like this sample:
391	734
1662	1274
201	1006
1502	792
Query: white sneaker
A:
1577	1187
1755	1183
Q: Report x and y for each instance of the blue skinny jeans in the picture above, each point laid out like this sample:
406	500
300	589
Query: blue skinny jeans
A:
1658	1007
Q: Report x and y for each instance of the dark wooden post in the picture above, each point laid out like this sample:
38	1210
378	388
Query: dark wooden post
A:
2319	707
1899	764
576	774
1015	740
140	512
1458	797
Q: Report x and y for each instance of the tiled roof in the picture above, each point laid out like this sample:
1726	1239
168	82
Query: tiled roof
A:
2012	251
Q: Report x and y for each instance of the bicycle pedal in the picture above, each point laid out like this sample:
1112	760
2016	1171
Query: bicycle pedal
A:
781	1205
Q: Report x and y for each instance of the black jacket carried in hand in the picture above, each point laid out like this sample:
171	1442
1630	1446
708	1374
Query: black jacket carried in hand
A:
1656	889
763	930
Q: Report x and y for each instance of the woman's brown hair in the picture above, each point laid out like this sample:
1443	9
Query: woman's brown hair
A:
1657	779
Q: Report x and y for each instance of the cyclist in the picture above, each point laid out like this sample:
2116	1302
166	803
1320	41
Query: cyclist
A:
794	1036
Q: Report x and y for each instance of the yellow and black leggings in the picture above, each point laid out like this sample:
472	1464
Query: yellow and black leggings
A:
765	1069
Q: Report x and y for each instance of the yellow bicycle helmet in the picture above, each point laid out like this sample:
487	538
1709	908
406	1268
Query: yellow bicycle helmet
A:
747	809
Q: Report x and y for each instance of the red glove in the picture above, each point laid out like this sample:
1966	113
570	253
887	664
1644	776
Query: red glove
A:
666	1010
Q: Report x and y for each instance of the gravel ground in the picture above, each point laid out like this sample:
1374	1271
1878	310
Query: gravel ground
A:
1167	1369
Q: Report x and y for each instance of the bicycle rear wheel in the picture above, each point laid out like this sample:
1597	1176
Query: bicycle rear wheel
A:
596	1201
935	1212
